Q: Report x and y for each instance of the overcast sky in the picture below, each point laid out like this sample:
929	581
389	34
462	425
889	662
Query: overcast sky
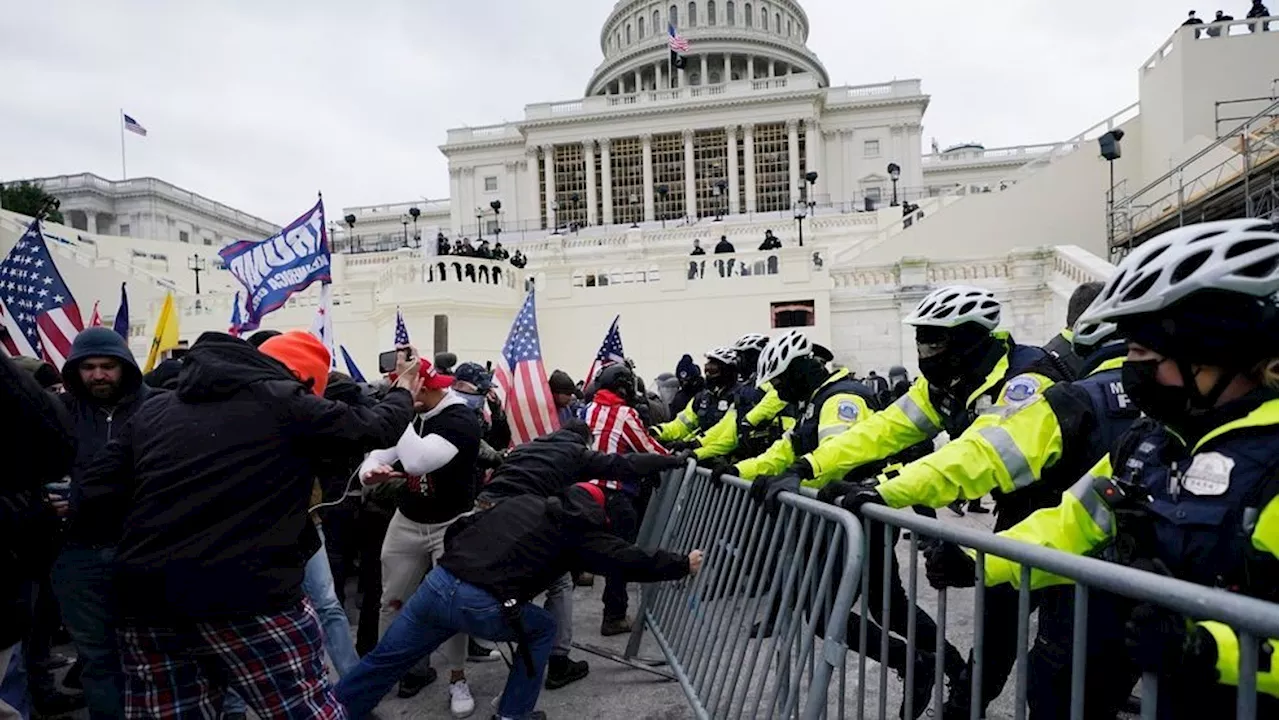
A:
259	104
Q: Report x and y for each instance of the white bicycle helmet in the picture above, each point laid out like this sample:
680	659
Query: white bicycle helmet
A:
1238	256
956	305
726	355
751	341
781	351
1089	334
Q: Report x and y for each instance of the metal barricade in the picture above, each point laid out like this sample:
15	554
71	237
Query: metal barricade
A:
745	636
1253	620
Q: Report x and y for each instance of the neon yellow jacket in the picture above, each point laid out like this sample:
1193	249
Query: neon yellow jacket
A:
683	426
1084	521
722	438
834	418
1007	448
913	418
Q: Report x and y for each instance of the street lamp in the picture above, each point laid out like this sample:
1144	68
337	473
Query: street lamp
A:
196	265
662	202
574	202
479	223
414	212
631	204
810	177
350	220
801	210
555	217
1109	149
404	222
497	219
894	173
720	193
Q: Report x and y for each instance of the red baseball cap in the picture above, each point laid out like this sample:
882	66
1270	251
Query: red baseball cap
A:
432	378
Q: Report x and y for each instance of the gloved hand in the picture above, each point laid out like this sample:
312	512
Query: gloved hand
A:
832	492
652	463
866	495
719	469
1165	642
946	565
682	445
767	488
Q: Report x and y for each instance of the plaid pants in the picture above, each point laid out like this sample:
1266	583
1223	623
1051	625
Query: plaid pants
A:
275	662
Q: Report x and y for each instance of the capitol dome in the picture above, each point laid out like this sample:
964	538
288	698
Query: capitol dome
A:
728	40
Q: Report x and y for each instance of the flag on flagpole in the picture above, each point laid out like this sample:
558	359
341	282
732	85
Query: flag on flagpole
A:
36	306
166	336
352	369
402	333
273	269
236	320
523	379
121	322
679	47
322	325
610	352
95	320
134	126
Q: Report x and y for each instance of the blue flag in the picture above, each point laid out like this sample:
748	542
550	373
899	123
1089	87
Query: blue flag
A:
236	320
272	270
121	323
402	333
352	370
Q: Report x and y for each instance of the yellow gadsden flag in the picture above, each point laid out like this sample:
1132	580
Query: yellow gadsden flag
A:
166	337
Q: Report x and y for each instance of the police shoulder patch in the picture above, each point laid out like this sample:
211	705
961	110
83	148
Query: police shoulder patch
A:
1020	389
1209	474
723	406
847	410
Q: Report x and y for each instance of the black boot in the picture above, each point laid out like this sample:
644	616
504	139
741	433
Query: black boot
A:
957	507
923	688
561	671
412	683
615	626
975	507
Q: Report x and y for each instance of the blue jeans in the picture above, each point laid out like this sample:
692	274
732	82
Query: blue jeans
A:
82	580
317	583
13	683
442	607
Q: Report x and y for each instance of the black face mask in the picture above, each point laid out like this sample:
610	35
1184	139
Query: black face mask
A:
1166	404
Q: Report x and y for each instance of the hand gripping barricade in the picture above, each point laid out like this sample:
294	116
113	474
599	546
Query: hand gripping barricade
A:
758	632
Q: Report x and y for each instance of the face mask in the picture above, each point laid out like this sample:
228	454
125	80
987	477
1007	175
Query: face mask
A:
1165	404
940	369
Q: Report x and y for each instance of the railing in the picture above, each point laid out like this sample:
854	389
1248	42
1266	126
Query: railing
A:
153	186
974	155
602	103
396	211
450	270
1209	31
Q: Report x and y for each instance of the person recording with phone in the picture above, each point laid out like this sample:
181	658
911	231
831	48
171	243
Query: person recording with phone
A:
433	466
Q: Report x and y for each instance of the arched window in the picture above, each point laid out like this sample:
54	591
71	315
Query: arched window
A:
673	16
746	14
711	12
777	23
628	33
729	16
657	22
790	32
693	14
764	18
640	27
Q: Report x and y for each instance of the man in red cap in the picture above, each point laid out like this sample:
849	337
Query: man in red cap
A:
435	458
207	489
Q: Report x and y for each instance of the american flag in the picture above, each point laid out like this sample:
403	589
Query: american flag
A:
523	379
134	126
322	325
676	43
402	333
610	352
35	304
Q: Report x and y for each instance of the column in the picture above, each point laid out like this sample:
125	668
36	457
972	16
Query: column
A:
637	80
549	183
751	67
684	80
646	148
845	161
509	191
659	82
731	133
812	142
455	202
749	157
468	186
606	182
532	184
704	79
589	160
793	158
726	68
690	178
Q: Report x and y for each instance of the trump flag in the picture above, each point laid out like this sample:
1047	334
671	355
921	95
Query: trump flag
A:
274	269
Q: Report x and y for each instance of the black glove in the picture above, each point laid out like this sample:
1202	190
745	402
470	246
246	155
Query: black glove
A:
867	495
767	488
832	492
1164	641
719	469
682	445
651	463
946	565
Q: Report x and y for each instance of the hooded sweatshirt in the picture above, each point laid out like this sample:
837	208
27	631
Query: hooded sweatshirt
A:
94	421
211	483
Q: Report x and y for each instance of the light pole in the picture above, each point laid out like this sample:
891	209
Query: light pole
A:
810	177
574	202
662	191
631	208
497	220
404	223
801	209
555	217
720	193
1109	148
196	265
350	220
894	173
414	212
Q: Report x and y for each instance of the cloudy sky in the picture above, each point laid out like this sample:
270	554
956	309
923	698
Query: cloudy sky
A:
259	104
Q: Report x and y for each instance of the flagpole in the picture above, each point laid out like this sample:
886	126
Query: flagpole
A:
124	173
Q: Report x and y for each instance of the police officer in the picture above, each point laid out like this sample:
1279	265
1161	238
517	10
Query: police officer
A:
1190	486
758	416
707	407
1062	346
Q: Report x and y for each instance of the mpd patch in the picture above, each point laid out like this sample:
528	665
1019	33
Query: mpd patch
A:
847	410
1021	389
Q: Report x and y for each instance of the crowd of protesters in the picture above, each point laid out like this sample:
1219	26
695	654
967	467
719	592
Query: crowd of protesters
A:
481	249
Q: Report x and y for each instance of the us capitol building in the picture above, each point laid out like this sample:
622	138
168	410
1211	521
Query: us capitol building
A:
607	193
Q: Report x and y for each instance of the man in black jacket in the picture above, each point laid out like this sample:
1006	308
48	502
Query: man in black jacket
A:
547	466
104	389
495	563
39	429
207	490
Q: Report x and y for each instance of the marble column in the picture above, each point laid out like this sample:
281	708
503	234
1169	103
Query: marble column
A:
530	214
703	79
606	182
793	158
690	178
638	80
731	135
812	147
751	67
646	147
549	183
589	161
455	200
749	157
659	79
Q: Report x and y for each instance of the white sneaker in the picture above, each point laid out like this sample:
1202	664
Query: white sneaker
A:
461	704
